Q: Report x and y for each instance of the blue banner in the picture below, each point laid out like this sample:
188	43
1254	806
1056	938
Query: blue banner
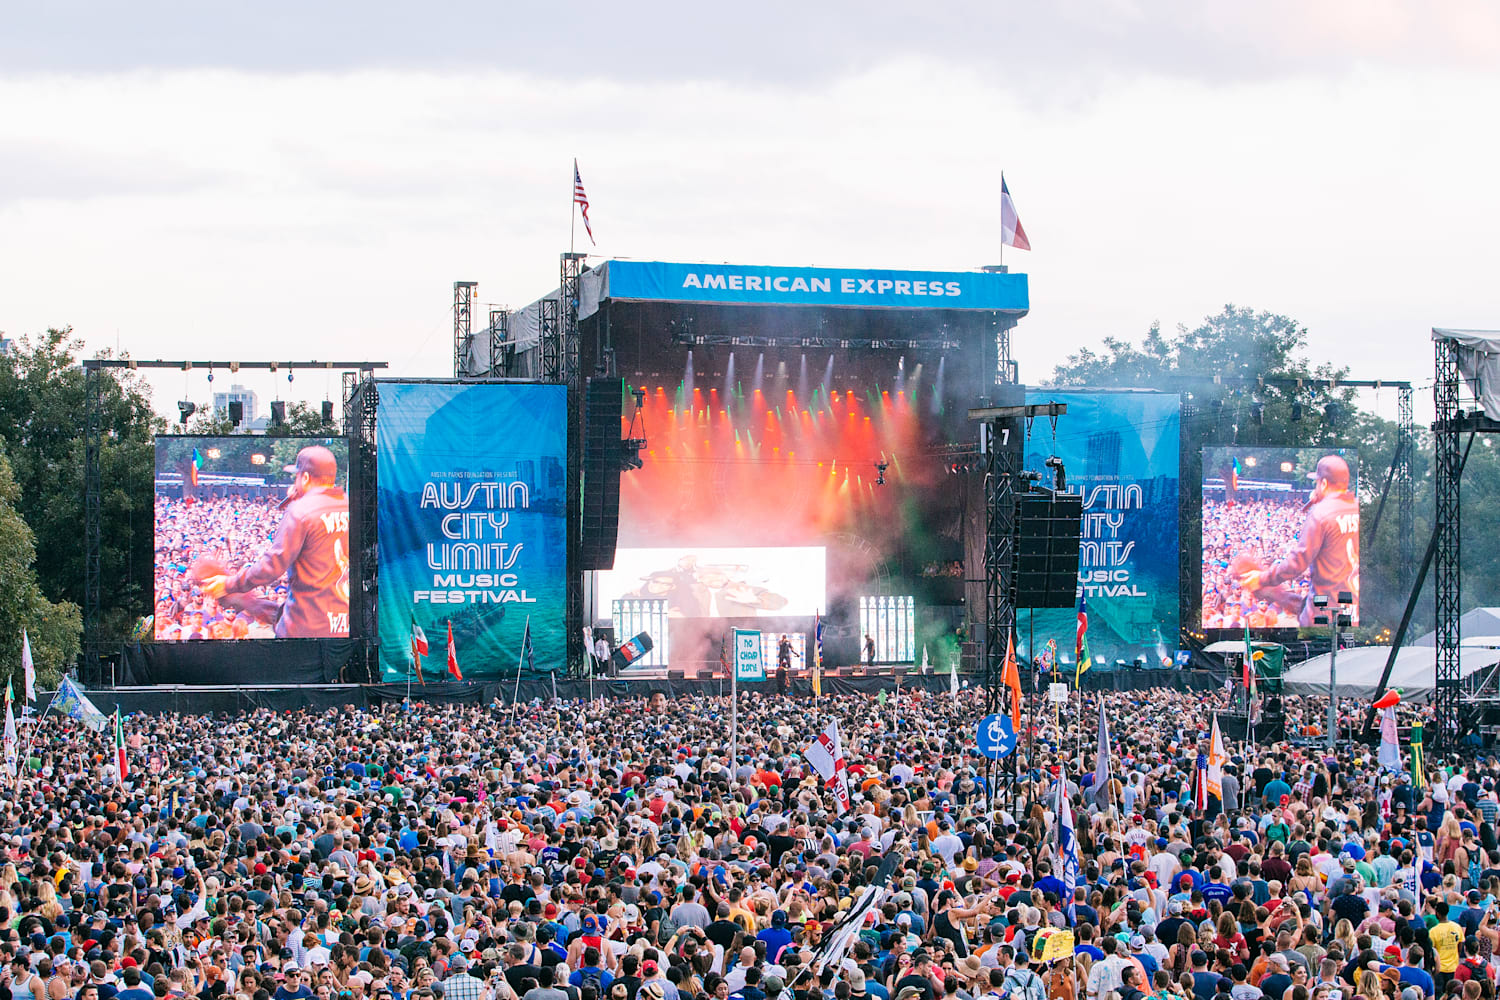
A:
472	487
1120	449
816	286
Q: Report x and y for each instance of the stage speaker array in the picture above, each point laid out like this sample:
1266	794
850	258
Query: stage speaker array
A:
1048	526
603	408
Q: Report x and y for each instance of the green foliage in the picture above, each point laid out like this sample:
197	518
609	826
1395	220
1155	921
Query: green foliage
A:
41	424
54	629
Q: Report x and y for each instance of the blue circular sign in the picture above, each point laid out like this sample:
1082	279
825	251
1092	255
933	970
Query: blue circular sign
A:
997	736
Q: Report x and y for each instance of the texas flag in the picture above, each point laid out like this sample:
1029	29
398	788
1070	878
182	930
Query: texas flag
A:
1012	234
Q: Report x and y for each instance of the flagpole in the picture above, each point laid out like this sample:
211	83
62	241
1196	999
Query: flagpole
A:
520	662
572	210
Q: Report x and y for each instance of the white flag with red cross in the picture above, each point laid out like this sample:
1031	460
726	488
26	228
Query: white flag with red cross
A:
826	755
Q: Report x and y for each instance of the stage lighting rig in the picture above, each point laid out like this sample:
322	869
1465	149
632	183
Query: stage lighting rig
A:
880	468
187	409
630	453
1060	475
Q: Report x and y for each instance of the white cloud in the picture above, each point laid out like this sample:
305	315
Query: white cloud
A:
246	214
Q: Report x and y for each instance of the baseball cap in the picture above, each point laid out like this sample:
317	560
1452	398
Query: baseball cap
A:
318	462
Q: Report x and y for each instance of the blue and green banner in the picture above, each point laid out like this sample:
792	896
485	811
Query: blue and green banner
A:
1120	450
472	524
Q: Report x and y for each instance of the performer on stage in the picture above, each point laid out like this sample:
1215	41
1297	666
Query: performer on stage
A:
869	653
784	665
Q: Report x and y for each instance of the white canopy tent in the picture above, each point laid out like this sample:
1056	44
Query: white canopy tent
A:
1414	672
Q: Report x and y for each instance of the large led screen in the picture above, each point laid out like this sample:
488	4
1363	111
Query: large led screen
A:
718	582
1120	451
472	508
1280	527
252	538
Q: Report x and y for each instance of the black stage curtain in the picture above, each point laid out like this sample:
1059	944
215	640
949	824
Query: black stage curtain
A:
243	662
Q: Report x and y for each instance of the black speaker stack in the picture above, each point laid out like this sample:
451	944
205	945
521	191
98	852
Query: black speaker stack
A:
1049	526
604	405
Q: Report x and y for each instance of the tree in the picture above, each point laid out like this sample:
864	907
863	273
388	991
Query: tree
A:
1239	343
54	629
42	399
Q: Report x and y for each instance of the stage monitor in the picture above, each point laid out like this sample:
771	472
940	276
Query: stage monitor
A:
251	538
472	506
1280	528
720	582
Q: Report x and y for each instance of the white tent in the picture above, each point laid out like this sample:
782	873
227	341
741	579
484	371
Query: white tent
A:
1414	672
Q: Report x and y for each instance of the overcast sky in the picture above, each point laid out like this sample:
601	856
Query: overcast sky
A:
308	180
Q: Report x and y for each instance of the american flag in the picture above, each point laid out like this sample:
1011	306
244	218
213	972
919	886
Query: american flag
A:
581	199
1200	783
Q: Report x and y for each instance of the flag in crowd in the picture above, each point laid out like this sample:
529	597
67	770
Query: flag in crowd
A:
418	648
817	671
1011	678
1200	782
122	770
12	744
28	669
528	651
826	755
581	199
1390	748
837	940
1251	655
1012	233
1214	773
1081	643
1067	843
453	651
1418	768
1102	774
73	703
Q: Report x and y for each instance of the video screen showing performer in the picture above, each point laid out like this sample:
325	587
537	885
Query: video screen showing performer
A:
252	538
1280	527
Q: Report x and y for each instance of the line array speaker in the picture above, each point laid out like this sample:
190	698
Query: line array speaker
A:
1046	568
603	407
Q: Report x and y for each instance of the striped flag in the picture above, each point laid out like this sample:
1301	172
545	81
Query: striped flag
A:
1200	782
1251	656
846	929
122	771
581	199
1012	234
418	648
1081	642
817	676
1418	766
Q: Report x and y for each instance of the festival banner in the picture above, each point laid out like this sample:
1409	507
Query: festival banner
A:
661	281
1120	449
472	523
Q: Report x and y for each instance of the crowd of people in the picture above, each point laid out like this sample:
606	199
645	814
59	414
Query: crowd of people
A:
1263	530
616	851
229	531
